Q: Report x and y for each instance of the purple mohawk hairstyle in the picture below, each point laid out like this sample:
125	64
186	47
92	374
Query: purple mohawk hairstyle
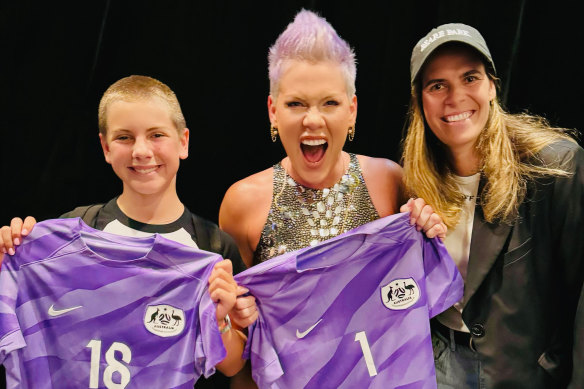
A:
310	38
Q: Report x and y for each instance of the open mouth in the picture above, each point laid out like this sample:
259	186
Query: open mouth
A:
458	117
313	149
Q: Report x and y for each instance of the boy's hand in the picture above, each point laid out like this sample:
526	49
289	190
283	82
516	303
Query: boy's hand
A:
425	218
223	288
11	236
245	311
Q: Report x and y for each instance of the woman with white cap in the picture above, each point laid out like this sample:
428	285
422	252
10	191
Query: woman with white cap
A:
510	188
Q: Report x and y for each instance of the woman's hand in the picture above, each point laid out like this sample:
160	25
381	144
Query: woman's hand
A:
12	235
425	219
245	311
223	288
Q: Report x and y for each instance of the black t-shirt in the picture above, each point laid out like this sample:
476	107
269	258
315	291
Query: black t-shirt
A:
188	229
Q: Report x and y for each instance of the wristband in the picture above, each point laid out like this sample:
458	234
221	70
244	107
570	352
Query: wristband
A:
225	326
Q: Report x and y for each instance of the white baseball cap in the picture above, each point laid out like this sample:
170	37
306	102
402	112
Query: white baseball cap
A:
451	32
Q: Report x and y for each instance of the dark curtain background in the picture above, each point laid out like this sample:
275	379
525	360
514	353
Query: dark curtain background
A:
57	58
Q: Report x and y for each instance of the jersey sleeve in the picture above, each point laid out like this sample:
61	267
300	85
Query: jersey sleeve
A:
10	333
209	349
444	284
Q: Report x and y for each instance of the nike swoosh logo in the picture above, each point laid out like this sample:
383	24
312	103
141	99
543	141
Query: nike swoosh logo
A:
58	312
301	335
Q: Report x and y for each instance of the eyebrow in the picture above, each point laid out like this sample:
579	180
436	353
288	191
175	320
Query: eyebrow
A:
125	130
118	131
432	81
471	72
466	74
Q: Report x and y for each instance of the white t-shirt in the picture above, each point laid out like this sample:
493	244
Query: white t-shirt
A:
458	244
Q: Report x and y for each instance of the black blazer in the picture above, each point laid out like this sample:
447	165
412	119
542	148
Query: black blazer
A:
524	283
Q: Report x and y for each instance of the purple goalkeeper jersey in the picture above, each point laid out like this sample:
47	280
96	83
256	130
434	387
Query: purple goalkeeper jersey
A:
352	312
82	308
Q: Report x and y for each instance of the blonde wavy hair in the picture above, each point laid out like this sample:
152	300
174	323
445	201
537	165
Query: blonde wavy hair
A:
507	147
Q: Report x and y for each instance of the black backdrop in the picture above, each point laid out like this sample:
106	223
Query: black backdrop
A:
57	58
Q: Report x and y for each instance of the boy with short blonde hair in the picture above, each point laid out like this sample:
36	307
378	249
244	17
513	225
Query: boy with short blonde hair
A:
144	136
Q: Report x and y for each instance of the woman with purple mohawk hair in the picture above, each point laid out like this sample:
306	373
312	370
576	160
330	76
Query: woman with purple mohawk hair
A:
313	108
317	191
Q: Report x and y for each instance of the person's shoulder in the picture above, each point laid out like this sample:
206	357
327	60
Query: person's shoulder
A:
208	233
82	211
245	192
253	182
380	167
562	152
383	179
203	223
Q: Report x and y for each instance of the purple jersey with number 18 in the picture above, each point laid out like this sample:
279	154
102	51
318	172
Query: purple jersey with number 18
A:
82	308
352	312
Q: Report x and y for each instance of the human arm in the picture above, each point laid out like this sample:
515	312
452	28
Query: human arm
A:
244	312
552	227
578	353
12	235
244	211
222	289
242	215
232	219
566	204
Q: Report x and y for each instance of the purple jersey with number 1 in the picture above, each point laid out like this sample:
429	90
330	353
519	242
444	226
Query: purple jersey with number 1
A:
352	312
82	308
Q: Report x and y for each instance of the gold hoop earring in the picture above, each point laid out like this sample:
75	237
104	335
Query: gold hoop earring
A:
351	133
274	133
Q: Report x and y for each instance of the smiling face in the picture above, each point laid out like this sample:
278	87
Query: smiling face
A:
313	114
456	92
143	146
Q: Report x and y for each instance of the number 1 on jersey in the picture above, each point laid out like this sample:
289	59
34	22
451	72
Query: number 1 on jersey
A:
362	338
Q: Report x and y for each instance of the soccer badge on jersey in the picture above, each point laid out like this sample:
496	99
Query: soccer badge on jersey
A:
164	320
400	293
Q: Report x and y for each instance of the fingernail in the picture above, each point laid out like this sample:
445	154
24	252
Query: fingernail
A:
4	250
10	251
24	231
17	241
412	221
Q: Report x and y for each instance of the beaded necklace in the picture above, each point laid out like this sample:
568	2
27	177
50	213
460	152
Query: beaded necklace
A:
300	216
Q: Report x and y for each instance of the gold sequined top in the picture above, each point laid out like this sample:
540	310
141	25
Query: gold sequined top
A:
301	216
